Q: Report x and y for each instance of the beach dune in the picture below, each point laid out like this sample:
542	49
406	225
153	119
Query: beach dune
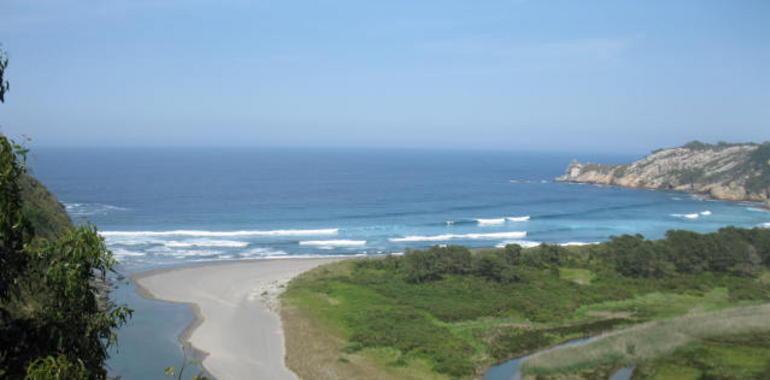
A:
237	326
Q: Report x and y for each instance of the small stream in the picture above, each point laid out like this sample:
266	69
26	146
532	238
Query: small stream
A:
511	370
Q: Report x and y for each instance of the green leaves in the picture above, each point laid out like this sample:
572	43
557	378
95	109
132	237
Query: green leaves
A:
55	368
52	325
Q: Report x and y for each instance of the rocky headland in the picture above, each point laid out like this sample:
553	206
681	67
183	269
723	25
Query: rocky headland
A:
735	172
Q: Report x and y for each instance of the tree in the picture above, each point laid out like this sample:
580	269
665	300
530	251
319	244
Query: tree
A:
51	323
14	230
636	257
4	85
489	267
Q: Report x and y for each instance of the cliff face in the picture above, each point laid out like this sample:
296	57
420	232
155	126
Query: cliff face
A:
735	172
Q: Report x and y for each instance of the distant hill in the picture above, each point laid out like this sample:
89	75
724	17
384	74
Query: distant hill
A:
46	214
737	172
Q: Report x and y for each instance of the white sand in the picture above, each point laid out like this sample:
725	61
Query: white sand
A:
238	327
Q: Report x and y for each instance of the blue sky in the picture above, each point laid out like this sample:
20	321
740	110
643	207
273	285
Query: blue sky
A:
514	75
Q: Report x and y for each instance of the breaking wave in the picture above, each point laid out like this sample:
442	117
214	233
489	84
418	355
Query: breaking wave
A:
329	244
490	222
530	244
686	216
121	253
694	215
476	236
500	221
522	243
90	209
577	243
203	233
205	243
262	252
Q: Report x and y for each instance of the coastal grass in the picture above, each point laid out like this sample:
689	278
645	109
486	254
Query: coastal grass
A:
364	319
738	357
317	338
654	339
451	313
577	275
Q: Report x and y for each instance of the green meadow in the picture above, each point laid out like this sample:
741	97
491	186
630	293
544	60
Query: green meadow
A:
447	312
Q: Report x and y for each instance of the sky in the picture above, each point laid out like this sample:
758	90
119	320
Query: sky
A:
611	76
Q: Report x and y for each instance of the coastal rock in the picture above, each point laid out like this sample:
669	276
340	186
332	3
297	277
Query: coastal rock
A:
736	172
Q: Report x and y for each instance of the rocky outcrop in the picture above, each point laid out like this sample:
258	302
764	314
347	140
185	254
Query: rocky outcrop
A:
736	172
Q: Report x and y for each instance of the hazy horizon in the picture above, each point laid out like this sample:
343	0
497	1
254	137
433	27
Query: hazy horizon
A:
620	77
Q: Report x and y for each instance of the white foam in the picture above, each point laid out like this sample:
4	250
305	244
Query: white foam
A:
206	244
705	213
450	222
476	236
523	243
88	209
490	222
329	244
577	243
120	253
202	233
686	216
262	252
290	257
757	209
182	253
517	218
132	241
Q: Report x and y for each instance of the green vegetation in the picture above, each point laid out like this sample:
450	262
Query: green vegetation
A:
699	145
739	357
52	325
650	341
760	163
45	214
460	311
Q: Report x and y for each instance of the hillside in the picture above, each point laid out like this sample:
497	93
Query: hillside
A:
48	217
736	172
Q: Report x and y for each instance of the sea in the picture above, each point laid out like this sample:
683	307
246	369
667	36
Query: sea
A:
167	207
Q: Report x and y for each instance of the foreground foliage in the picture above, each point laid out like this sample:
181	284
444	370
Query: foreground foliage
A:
52	325
461	311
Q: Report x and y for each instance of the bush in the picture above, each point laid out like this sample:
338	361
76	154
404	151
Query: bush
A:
411	332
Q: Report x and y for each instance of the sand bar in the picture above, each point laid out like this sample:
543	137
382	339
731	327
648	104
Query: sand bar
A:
237	327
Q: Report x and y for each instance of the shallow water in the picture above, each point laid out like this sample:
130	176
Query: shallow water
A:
167	207
623	373
511	370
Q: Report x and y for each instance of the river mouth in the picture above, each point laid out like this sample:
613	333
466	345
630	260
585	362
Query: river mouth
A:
511	369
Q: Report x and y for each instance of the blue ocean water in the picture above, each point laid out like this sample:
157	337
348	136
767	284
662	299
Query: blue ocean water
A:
165	207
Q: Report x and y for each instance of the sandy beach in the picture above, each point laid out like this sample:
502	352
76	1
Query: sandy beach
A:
237	326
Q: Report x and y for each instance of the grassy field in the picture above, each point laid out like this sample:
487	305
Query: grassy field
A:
651	340
737	357
449	313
